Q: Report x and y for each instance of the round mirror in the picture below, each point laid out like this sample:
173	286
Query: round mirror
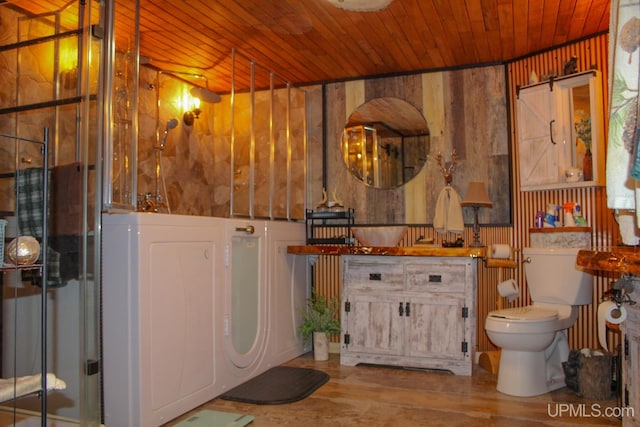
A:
385	142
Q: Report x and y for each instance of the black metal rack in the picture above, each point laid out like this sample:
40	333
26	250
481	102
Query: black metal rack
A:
335	227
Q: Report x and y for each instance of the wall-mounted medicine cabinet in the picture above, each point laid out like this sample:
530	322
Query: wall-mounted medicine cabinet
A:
560	132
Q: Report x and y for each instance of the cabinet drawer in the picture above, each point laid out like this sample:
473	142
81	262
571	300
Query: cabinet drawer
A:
373	274
436	277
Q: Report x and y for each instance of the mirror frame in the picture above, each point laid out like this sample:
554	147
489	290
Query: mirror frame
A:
385	142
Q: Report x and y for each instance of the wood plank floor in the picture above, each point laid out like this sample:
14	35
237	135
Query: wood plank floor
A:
368	395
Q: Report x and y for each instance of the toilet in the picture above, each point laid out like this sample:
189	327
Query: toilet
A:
533	339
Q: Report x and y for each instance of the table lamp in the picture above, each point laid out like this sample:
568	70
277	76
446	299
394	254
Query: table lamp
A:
476	197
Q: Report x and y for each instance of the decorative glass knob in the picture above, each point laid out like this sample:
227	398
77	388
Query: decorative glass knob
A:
23	250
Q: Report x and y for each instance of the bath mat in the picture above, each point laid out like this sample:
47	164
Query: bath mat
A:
209	418
281	384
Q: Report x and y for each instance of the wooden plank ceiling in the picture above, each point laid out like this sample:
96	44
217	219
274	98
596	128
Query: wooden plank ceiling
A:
311	41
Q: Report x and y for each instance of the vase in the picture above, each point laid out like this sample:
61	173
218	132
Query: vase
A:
320	346
587	166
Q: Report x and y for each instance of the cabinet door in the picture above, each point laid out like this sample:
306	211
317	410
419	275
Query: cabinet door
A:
537	138
435	327
631	364
373	323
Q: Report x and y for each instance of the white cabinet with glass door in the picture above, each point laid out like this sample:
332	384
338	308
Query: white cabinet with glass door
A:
560	132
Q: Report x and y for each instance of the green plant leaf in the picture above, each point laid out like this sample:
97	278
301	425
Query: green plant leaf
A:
320	315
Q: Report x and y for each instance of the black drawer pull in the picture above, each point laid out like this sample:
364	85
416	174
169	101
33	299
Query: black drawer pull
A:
375	276
435	278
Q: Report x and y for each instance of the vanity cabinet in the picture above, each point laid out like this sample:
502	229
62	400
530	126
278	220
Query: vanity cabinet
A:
409	311
560	132
631	363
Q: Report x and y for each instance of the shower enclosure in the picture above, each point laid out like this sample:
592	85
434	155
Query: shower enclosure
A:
71	66
236	154
50	68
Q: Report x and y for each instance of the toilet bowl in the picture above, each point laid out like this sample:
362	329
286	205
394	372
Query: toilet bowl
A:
534	345
533	338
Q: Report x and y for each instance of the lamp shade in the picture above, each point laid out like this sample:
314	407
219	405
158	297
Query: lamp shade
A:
477	196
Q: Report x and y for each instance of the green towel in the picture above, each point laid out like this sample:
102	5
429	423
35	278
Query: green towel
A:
29	202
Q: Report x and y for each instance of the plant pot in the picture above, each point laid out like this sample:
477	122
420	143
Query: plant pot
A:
320	346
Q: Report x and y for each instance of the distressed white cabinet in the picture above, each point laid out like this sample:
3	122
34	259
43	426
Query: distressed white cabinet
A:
557	122
631	364
409	311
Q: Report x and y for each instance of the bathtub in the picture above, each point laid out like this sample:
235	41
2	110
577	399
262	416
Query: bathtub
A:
194	306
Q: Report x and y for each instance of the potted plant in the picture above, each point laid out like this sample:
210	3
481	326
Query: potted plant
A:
318	321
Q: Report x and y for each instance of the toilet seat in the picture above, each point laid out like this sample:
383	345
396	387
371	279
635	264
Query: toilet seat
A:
524	314
522	320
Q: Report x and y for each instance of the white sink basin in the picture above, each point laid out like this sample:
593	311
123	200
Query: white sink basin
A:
379	235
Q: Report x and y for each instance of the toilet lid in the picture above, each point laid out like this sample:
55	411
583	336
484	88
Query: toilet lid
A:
529	313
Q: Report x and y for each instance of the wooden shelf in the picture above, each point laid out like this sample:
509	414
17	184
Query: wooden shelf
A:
10	267
620	259
561	230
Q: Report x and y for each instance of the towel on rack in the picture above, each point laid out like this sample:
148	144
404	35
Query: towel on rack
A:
12	388
29	210
67	200
29	203
448	215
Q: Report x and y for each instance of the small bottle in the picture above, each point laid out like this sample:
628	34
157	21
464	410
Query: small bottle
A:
568	214
558	216
539	219
577	216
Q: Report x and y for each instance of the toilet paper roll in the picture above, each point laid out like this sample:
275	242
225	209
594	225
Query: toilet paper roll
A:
509	289
501	251
609	311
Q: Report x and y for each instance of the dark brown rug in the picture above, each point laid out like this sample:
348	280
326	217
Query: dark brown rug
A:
278	385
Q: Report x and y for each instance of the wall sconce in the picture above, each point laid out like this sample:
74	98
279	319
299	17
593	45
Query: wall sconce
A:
193	113
476	197
190	101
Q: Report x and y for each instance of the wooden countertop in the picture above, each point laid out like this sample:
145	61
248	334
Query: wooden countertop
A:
435	251
621	259
561	230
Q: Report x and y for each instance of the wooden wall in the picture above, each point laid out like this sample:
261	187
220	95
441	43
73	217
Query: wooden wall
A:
465	110
583	334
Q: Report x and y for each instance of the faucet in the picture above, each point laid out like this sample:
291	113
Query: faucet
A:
147	203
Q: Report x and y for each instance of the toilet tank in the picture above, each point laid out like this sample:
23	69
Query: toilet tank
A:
553	276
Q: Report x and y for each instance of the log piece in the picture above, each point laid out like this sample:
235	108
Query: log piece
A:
595	375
